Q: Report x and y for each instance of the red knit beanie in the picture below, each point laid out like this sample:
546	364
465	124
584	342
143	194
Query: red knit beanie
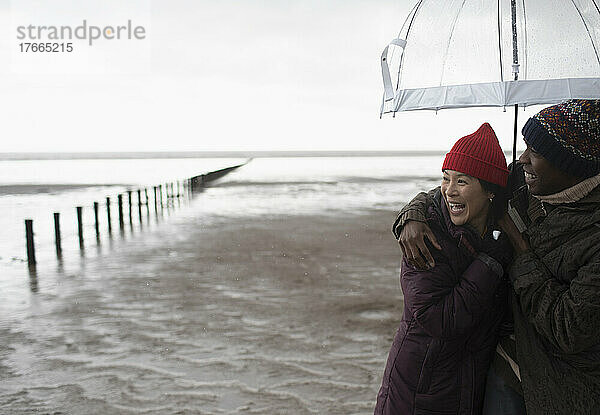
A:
479	155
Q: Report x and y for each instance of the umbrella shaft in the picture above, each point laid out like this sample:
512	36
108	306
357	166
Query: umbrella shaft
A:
513	15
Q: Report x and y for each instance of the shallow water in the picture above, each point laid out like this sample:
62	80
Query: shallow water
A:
275	291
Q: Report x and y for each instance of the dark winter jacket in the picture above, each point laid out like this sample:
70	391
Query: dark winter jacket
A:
441	352
557	308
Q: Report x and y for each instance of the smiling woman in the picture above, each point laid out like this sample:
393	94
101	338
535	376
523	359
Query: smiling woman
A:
475	174
440	356
467	201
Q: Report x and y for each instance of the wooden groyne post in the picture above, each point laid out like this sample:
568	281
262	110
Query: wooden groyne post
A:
129	199
147	201
139	195
155	200
108	215
30	244
57	241
120	202
96	221
80	225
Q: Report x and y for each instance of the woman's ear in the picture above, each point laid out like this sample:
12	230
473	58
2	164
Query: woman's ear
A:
491	196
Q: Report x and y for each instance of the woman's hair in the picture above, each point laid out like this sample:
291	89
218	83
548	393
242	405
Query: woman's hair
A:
500	200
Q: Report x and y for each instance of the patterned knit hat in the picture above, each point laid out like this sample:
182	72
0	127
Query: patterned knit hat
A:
479	155
568	136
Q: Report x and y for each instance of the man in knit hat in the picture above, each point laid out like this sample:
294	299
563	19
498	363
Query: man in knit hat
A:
554	227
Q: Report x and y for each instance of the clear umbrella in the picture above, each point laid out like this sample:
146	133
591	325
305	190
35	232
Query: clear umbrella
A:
476	53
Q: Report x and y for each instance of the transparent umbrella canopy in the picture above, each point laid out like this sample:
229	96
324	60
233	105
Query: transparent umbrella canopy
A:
483	53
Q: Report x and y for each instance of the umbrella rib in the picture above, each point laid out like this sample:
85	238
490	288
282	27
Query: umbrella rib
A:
597	9
450	39
400	67
525	48
411	17
412	12
587	30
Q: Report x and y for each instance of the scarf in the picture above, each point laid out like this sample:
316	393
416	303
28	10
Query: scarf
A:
573	193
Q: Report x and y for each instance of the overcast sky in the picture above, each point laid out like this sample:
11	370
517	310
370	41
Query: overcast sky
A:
215	75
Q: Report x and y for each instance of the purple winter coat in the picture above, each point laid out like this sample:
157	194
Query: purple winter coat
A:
441	353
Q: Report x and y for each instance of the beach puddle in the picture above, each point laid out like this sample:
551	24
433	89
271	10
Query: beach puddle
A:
377	315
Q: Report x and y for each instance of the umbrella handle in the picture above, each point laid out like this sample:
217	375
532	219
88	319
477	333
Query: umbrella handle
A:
514	149
385	69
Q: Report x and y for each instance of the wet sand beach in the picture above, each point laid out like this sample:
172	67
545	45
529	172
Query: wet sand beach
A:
269	314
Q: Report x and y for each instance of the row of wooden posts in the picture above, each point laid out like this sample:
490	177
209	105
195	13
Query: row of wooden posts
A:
174	190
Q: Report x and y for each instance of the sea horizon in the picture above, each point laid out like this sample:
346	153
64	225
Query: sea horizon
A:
108	155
